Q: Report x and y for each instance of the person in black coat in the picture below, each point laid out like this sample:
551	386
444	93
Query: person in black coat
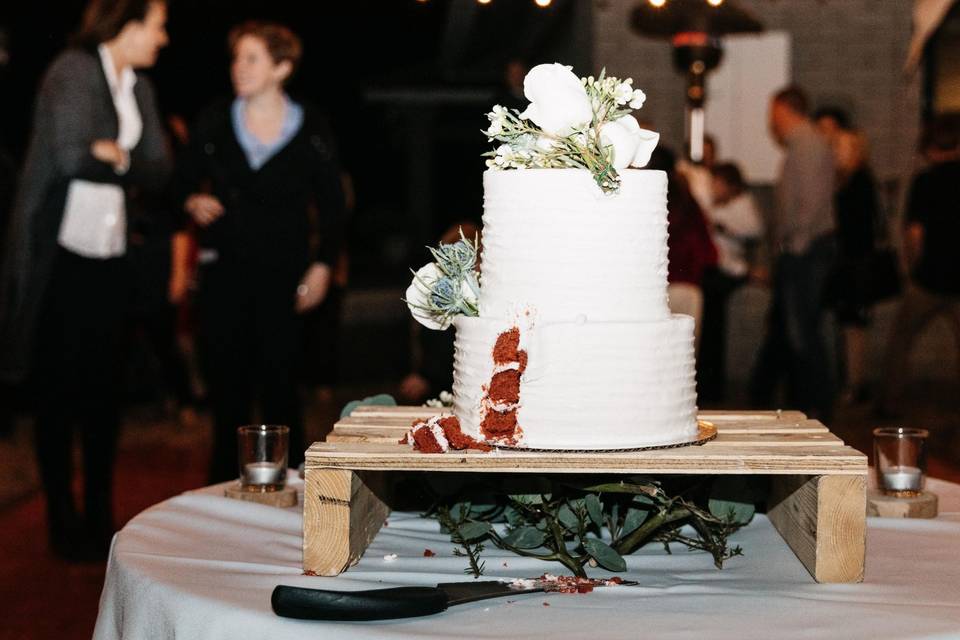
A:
257	167
96	134
857	218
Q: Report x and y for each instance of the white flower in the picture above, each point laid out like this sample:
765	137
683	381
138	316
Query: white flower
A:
544	143
624	92
632	145
497	117
558	100
638	98
648	142
504	152
418	297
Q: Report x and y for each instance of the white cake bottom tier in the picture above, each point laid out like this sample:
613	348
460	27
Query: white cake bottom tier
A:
590	385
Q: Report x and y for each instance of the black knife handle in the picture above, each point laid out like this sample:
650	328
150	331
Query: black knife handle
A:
375	604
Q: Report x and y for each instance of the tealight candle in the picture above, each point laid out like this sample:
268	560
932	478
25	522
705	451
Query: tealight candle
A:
900	460
902	479
262	473
262	453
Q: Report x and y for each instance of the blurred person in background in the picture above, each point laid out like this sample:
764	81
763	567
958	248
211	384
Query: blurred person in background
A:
932	226
857	217
96	134
258	165
804	250
160	264
690	250
735	227
699	175
320	361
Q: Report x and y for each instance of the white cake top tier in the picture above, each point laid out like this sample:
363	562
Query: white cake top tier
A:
555	244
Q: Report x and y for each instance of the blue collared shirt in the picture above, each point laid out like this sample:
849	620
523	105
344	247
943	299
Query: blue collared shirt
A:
258	152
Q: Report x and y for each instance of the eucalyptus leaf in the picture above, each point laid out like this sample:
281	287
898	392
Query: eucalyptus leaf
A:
568	518
512	516
635	517
460	510
484	509
379	400
736	512
625	487
528	498
525	538
474	530
594	509
604	555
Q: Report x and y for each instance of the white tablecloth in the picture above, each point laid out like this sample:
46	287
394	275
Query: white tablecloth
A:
203	566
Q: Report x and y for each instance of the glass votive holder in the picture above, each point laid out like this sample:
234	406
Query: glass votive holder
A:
262	453
900	459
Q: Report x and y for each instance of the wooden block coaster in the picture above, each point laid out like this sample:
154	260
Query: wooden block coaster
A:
286	497
881	505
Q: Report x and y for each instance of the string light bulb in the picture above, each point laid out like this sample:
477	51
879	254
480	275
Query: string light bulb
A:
715	3
543	4
658	3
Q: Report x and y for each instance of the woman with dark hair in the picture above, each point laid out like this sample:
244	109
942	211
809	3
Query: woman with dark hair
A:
261	171
96	132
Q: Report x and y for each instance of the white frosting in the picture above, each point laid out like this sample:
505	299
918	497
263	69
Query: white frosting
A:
583	276
594	385
554	242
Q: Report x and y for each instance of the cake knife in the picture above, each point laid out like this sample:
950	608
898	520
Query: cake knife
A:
397	602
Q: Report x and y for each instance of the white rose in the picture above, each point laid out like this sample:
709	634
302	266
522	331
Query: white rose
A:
558	100
418	297
648	142
632	145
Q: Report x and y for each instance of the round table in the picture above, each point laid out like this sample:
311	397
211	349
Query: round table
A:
203	566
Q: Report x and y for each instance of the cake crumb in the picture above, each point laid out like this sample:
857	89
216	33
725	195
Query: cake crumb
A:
427	553
390	557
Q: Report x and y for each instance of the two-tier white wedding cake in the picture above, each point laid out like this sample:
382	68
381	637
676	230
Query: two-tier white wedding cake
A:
574	346
564	337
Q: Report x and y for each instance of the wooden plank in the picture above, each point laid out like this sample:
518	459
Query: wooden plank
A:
710	458
392	435
725	425
412	412
401	424
342	512
823	519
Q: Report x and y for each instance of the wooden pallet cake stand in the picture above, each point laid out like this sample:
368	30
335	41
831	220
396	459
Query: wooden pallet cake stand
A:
817	498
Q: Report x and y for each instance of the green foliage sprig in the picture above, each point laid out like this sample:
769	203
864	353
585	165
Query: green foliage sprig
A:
581	524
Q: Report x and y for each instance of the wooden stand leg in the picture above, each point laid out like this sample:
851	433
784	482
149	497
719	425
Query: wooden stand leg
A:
823	519
342	512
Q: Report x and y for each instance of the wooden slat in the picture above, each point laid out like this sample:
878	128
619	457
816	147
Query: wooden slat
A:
711	415
710	458
822	519
765	425
392	435
342	512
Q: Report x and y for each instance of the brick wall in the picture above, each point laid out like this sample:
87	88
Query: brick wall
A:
845	52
